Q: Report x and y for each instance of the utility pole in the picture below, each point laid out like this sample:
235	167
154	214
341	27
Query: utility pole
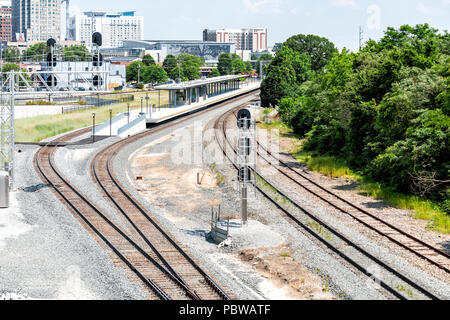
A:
361	37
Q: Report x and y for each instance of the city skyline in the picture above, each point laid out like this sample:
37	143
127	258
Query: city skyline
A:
337	20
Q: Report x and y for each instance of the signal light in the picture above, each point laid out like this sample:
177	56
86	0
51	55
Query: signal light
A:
51	60
243	118
97	81
244	174
97	60
97	38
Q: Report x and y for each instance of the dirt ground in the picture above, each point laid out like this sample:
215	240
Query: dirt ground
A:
278	265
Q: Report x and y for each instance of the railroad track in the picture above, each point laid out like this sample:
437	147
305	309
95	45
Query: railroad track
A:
149	252
396	291
421	249
165	249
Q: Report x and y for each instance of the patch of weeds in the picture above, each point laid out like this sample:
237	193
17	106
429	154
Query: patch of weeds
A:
408	291
285	255
319	229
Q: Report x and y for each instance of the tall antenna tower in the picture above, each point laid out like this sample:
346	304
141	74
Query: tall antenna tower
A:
361	37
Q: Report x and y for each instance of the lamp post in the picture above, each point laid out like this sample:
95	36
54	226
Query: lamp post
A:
110	122
93	127
139	73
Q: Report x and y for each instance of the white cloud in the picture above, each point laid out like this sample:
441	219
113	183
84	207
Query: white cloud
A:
428	11
344	3
263	6
446	3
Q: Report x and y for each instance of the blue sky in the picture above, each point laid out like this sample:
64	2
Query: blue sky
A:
337	20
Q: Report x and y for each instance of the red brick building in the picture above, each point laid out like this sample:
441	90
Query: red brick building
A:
5	21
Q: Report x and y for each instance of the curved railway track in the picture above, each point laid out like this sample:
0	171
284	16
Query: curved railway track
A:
421	249
220	126
164	248
149	252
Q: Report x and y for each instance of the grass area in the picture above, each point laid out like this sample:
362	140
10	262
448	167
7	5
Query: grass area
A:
337	168
38	128
423	209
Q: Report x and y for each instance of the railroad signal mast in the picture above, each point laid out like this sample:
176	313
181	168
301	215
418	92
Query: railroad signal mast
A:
97	59
40	84
246	158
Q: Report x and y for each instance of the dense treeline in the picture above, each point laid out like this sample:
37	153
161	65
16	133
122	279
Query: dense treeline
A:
385	109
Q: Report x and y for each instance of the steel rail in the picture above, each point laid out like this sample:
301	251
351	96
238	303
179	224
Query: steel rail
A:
365	212
112	151
336	233
151	284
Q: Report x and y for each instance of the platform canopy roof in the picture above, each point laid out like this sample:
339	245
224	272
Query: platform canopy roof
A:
198	83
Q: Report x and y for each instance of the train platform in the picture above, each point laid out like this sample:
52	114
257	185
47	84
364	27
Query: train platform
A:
187	97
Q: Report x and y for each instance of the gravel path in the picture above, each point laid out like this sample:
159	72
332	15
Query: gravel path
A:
49	255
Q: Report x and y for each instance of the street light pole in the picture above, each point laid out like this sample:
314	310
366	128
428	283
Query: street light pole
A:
139	74
93	127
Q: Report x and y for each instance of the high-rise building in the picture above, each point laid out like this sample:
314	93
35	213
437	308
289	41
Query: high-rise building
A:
5	21
36	20
253	39
114	27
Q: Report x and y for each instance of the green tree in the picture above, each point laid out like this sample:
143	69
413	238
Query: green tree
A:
132	71
148	60
14	67
424	153
239	66
37	52
214	73
11	54
277	47
10	67
248	67
154	74
186	57
285	74
320	50
170	62
76	53
225	64
190	70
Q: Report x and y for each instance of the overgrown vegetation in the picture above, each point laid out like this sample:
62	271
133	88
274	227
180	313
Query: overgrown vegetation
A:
380	116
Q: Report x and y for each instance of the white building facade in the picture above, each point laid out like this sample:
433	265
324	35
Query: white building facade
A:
36	20
114	27
253	39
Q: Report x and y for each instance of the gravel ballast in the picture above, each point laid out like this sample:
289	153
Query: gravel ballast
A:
51	256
